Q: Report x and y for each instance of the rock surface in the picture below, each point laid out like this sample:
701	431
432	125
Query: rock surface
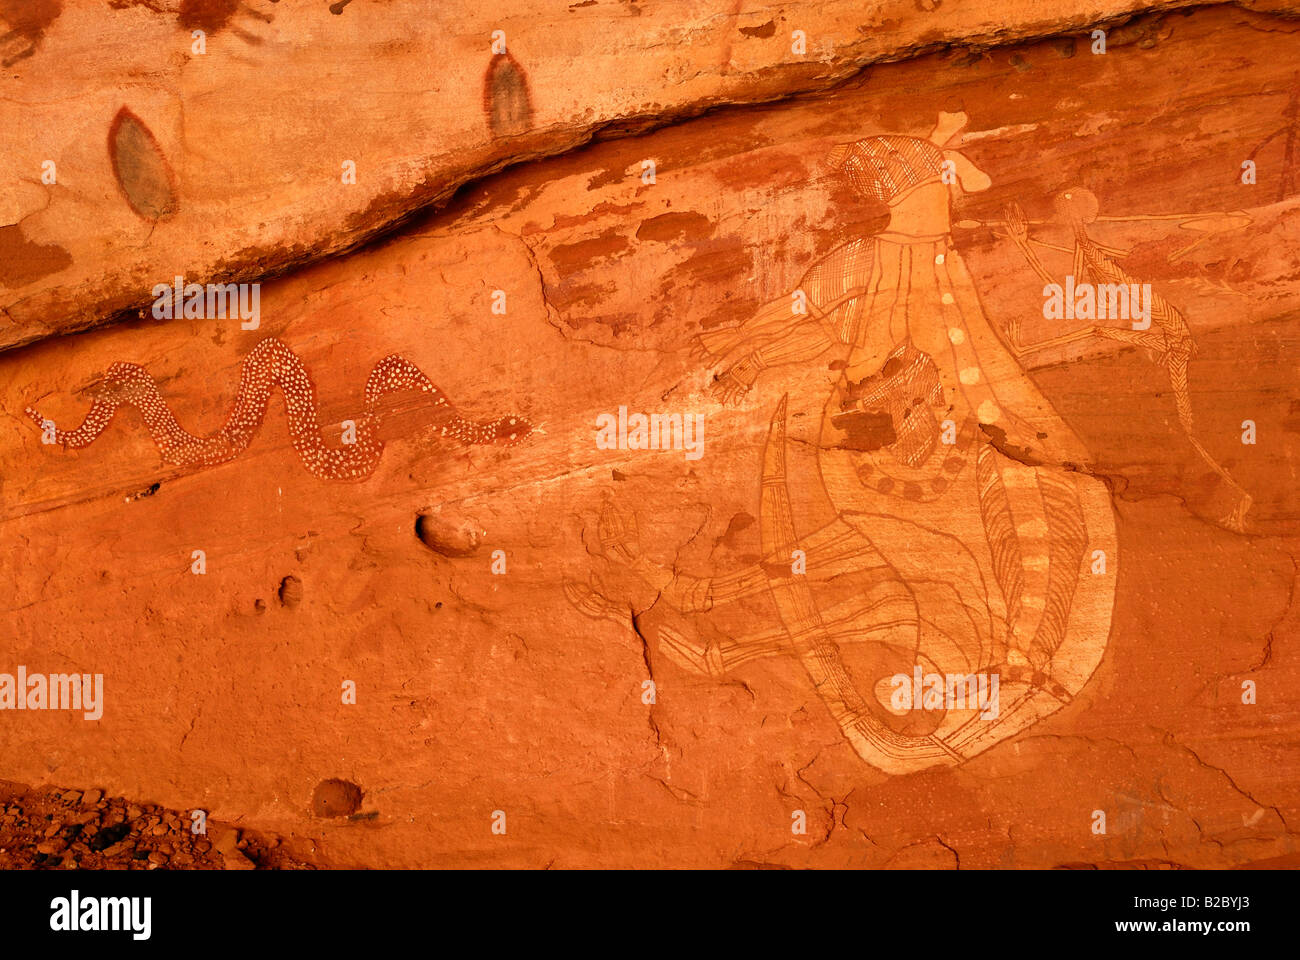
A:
49	828
223	141
476	653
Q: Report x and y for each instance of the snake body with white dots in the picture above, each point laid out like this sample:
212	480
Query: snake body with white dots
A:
269	365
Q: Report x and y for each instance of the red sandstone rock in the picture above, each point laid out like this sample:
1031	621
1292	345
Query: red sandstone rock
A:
486	650
210	140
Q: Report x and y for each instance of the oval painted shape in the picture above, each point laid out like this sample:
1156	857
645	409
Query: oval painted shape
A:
141	168
506	99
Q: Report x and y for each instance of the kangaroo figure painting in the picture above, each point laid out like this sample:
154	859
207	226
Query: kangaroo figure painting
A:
980	550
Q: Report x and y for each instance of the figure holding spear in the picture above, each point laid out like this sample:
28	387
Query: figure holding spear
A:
1168	341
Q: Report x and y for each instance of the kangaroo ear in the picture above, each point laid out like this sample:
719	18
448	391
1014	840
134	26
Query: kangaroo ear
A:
949	125
971	177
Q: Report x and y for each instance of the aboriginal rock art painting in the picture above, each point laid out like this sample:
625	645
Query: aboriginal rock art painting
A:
1289	133
268	366
506	100
1169	342
966	514
141	168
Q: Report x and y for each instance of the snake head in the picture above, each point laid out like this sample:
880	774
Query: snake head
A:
510	429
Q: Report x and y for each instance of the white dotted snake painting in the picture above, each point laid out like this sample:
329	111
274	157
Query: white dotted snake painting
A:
269	365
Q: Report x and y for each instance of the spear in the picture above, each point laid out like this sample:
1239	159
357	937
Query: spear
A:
1201	222
1206	224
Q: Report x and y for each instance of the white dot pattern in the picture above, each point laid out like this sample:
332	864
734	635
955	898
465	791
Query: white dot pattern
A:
269	365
